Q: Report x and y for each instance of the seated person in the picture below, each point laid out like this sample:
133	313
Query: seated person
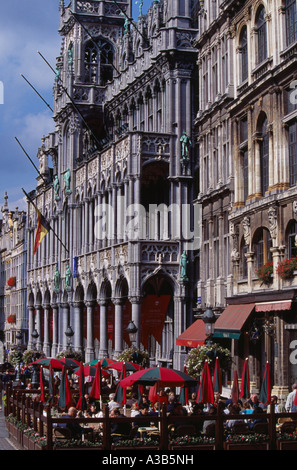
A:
143	411
234	410
76	429
178	410
120	429
258	410
211	412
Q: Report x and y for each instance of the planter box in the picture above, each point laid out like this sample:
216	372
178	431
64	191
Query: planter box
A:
286	445
246	446
39	447
25	441
195	448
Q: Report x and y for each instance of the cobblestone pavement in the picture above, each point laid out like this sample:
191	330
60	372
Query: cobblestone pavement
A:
5	443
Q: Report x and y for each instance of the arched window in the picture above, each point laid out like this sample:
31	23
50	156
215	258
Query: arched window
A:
261	28
291	239
261	247
98	62
291	21
244	54
264	157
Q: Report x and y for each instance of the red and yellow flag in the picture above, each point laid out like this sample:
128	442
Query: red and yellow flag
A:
43	228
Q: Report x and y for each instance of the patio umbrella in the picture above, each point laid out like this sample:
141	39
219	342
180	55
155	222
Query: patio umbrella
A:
265	393
217	377
245	381
56	363
41	382
97	384
104	362
65	397
91	371
120	393
205	391
235	389
184	392
81	404
130	366
51	385
160	375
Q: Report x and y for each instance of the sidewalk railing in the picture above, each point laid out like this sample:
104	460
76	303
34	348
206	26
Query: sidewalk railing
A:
31	413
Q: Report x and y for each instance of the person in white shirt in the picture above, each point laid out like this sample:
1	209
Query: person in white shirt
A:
289	406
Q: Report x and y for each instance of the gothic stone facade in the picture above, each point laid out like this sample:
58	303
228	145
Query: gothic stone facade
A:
247	141
122	183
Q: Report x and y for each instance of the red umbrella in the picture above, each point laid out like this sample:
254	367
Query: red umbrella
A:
265	393
97	384
245	381
235	389
56	363
217	377
205	391
130	366
51	385
42	396
81	404
65	397
160	375
104	362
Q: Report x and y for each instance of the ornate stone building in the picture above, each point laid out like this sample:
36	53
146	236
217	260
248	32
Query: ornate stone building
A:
120	200
246	128
13	289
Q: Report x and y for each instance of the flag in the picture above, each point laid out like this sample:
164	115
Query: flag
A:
184	392
97	384
217	377
42	396
81	404
265	393
120	393
43	228
245	381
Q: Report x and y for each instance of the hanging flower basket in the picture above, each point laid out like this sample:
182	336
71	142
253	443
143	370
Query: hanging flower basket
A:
11	319
11	282
286	268
265	272
197	356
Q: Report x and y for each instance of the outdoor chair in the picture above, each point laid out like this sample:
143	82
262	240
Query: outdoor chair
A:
185	430
62	434
132	434
241	428
289	427
260	428
210	430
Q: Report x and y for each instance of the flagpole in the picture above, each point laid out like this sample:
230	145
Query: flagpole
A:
34	205
30	160
37	93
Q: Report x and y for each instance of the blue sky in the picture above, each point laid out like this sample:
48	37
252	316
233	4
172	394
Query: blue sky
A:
25	28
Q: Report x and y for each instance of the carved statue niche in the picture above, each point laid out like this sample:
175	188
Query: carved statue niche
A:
246	225
234	232
272	220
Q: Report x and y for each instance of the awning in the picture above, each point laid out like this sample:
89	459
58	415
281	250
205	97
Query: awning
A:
193	336
274	306
231	322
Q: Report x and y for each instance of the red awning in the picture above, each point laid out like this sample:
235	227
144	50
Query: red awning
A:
193	336
232	320
274	306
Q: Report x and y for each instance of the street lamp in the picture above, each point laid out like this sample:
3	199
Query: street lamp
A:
34	378
209	319
132	331
69	333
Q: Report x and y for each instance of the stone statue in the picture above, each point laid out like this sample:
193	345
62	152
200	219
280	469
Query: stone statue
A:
140	7
68	278
67	179
57	279
185	145
70	58
126	26
183	267
56	185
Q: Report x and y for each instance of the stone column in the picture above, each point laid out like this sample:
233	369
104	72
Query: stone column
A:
180	315
103	351
118	326
136	317
64	321
38	324
30	326
78	326
250	264
55	329
90	352
46	342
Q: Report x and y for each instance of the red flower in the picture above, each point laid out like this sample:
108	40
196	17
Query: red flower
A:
11	281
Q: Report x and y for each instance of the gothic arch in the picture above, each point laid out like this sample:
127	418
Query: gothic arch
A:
121	289
91	292
79	293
